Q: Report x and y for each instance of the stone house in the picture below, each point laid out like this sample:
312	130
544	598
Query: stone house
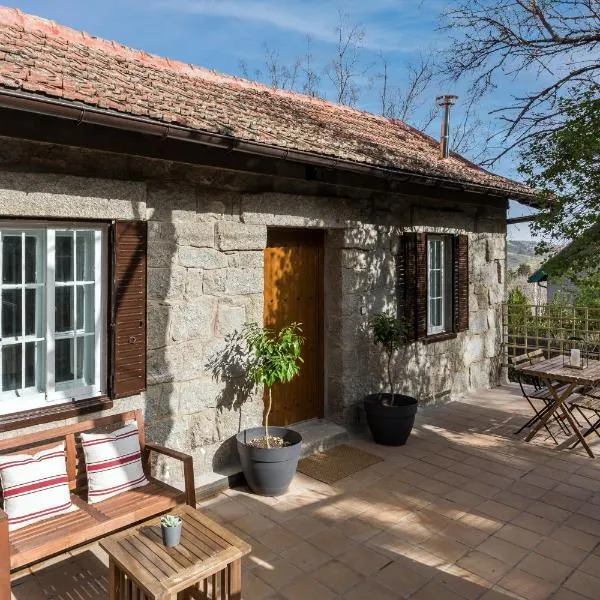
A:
150	208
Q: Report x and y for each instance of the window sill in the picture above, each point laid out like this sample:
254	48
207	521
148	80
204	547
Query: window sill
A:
439	337
55	412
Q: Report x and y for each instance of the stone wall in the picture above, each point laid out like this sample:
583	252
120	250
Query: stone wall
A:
205	279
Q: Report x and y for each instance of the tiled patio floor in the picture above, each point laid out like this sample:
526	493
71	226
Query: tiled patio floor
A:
464	510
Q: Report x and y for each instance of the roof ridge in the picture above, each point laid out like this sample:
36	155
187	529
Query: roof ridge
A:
28	21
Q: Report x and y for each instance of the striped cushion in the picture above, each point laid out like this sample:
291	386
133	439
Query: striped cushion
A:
35	486
113	462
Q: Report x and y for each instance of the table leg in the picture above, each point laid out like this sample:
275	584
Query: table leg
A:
234	572
113	580
558	401
580	437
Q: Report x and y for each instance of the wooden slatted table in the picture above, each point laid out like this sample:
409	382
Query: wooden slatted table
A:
206	565
553	373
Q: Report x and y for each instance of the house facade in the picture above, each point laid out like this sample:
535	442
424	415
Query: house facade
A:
149	209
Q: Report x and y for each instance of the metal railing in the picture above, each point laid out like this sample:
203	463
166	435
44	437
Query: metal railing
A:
552	328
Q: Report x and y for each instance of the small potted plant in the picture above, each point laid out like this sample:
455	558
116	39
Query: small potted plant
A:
390	416
269	455
170	526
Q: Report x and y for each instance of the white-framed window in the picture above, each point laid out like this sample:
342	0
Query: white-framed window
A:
439	284
52	313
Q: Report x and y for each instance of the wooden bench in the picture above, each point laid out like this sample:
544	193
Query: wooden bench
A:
53	536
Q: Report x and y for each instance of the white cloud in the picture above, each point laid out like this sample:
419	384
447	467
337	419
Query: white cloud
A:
317	18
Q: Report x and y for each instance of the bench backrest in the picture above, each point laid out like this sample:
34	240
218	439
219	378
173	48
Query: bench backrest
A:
70	434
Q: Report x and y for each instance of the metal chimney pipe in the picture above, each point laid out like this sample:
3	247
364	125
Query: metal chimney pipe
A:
445	101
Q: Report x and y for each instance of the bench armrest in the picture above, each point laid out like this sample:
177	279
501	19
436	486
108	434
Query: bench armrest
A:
5	554
188	468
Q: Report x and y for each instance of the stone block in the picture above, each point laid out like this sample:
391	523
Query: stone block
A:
215	205
496	294
479	374
195	233
160	402
201	258
166	282
197	395
496	247
253	259
474	348
194	283
478	321
193	320
240	236
56	195
161	254
244	281
158	321
229	318
177	362
213	282
202	428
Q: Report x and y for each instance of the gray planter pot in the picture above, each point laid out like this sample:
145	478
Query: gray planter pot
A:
171	535
390	425
269	471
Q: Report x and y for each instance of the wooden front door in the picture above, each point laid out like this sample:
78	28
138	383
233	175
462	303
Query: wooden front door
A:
294	293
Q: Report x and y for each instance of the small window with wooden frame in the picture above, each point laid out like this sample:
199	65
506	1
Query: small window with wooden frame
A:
432	282
72	317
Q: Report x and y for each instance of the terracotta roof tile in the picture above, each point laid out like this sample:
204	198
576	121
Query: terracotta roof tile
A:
41	57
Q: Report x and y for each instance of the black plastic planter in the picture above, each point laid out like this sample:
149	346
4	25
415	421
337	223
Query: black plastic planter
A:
390	424
269	471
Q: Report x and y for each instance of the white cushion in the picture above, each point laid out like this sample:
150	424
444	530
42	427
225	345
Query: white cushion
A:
35	486
113	462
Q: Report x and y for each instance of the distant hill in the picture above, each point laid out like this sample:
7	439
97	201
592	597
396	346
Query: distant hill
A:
522	251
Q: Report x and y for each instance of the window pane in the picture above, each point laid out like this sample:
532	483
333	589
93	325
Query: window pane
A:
33	266
64	257
11	313
63	354
85	359
11	367
85	255
63	311
30	360
85	308
32	325
11	259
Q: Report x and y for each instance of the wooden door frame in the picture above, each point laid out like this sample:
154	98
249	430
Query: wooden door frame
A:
282	236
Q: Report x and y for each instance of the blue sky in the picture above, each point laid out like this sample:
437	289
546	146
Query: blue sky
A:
218	34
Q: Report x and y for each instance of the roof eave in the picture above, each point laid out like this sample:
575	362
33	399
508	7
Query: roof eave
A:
83	113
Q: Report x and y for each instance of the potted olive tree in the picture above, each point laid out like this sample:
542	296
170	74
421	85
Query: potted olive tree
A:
390	416
269	455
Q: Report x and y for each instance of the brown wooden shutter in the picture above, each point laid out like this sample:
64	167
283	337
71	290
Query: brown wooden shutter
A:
411	275
460	278
128	309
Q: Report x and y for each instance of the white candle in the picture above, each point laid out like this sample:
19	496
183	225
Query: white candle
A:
575	357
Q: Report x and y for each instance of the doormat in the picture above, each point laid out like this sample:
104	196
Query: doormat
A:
336	463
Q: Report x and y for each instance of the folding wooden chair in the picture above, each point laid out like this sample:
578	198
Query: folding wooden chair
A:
587	402
540	392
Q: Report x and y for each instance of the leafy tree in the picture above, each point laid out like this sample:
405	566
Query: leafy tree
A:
524	270
274	358
390	333
565	164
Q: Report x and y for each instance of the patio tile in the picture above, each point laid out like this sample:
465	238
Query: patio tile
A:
332	541
591	565
278	572
583	583
563	553
362	561
497	510
575	537
464	583
399	577
548	511
507	552
527	585
254	587
445	547
466	534
565	594
306	587
337	576
485	566
306	556
435	591
304	526
369	590
359	529
253	524
279	538
535	523
545	568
